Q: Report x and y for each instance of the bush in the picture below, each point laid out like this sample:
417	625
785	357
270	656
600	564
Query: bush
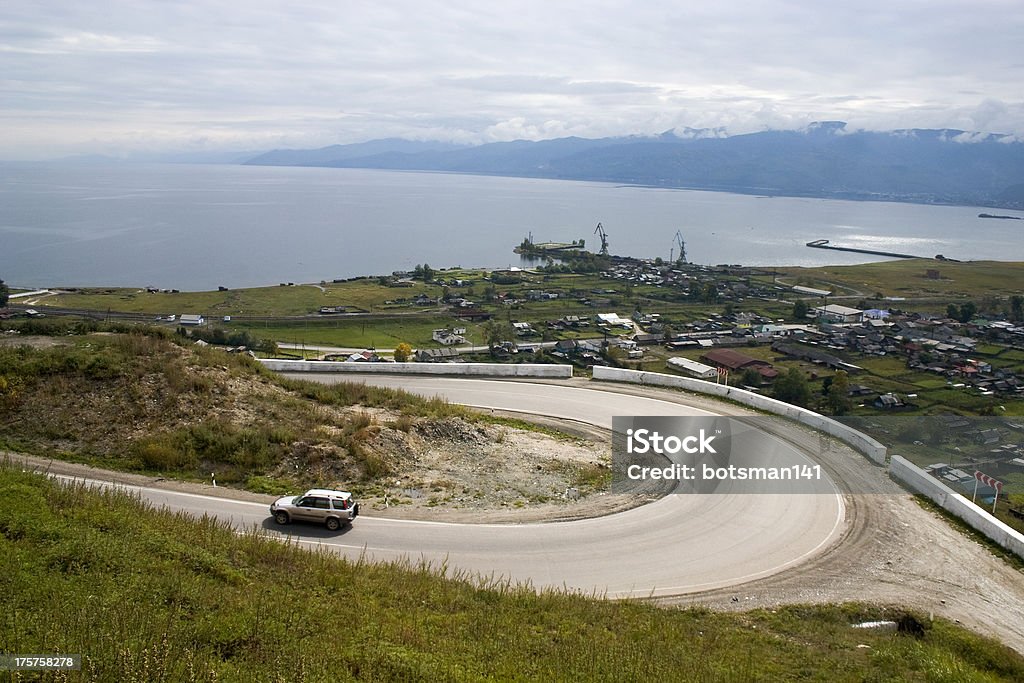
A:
162	454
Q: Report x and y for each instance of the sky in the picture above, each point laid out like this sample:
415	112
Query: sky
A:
117	78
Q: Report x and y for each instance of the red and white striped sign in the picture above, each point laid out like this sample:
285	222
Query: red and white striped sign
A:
989	481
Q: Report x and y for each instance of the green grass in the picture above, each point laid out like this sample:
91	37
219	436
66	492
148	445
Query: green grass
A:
907	278
151	402
152	596
300	299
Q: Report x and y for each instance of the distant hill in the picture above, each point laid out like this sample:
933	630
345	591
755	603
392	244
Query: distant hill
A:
822	160
336	155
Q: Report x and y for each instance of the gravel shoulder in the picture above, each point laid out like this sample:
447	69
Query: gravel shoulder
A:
893	551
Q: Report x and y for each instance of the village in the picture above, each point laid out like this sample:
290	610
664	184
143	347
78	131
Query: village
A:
853	350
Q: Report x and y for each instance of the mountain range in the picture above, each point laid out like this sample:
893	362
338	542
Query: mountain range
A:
822	160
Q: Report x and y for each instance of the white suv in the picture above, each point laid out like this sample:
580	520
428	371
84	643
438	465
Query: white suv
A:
331	508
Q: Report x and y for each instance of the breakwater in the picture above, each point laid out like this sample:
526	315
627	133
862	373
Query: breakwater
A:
824	244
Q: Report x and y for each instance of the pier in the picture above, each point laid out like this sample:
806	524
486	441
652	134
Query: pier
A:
823	244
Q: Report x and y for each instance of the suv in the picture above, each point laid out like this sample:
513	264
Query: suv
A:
331	508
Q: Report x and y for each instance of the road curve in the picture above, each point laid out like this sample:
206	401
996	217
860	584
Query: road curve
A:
678	544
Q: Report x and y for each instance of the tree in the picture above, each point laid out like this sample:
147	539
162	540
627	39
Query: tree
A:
428	273
800	310
967	311
1016	306
710	292
496	332
792	388
402	352
838	396
614	354
751	378
4	294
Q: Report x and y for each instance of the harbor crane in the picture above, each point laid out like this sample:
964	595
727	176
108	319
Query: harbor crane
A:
682	249
599	231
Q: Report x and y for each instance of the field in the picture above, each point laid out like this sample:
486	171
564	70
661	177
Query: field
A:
901	278
300	299
909	278
145	595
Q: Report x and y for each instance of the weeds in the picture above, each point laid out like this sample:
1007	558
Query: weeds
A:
151	596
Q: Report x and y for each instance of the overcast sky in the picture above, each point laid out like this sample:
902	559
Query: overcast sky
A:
111	77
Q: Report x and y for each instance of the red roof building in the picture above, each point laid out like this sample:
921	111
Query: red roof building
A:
734	360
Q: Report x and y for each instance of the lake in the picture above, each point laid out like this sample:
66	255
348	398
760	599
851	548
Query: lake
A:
195	227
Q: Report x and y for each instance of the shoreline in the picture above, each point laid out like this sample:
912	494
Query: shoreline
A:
21	289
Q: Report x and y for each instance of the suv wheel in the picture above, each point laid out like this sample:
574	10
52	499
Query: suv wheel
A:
333	523
281	517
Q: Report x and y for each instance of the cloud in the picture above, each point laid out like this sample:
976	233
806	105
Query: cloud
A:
317	72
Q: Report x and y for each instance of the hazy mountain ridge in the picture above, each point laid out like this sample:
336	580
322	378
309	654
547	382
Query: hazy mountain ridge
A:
823	160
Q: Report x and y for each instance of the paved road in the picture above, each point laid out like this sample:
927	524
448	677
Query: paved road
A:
679	544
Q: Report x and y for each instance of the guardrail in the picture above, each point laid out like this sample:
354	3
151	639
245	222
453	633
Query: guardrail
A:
873	449
450	369
919	481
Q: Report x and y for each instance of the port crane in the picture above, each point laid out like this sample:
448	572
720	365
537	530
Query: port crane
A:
599	231
682	249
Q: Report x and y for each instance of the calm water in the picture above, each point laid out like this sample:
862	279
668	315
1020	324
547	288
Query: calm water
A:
197	227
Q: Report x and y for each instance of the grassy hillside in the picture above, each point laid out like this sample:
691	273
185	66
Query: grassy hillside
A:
146	400
909	278
149	596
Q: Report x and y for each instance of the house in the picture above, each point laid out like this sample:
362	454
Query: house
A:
647	338
437	355
567	346
364	357
859	390
191	319
523	329
574	321
735	361
835	313
889	402
448	336
472	314
811	291
613	320
693	368
804	352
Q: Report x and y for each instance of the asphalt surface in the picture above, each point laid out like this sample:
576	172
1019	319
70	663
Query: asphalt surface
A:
677	545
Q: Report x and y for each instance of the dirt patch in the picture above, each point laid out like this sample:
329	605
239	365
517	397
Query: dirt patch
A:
33	341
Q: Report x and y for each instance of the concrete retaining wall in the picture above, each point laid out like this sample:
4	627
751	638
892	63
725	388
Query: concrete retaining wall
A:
863	443
457	369
919	481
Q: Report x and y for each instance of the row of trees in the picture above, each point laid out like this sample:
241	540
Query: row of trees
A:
424	272
792	387
966	311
